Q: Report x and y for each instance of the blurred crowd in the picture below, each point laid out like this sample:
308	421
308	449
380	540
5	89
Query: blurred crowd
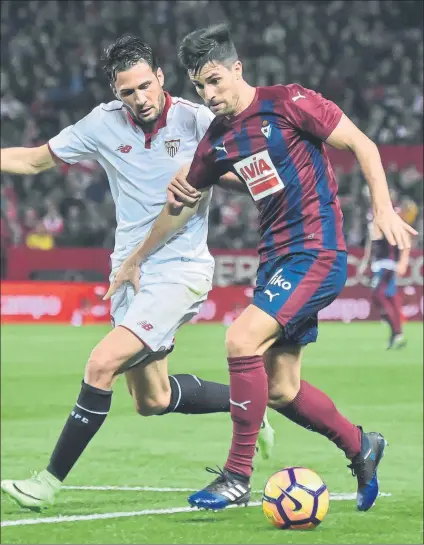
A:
364	55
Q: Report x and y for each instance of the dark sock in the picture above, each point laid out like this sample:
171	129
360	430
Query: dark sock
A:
249	397
83	423
315	411
192	395
388	307
396	314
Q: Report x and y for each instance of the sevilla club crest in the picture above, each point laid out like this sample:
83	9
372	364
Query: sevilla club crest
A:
172	147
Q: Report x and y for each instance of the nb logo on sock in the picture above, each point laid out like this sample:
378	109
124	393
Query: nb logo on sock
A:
242	405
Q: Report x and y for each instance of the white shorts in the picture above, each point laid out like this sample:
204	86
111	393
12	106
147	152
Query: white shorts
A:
163	304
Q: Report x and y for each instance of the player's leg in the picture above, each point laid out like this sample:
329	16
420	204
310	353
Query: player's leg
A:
304	404
312	409
187	394
397	339
84	421
248	338
156	393
383	287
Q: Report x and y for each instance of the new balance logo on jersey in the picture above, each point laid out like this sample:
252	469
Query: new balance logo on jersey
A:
298	96
271	295
145	325
221	148
124	149
242	405
278	280
172	147
260	175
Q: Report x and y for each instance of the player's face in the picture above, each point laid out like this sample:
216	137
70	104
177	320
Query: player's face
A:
141	91
218	86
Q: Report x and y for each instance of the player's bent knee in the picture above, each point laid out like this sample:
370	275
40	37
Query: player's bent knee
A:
153	405
101	368
281	395
239	343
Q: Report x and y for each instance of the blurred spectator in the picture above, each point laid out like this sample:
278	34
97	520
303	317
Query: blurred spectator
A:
39	238
52	221
366	55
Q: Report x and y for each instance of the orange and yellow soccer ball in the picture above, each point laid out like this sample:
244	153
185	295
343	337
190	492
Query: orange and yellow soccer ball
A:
295	498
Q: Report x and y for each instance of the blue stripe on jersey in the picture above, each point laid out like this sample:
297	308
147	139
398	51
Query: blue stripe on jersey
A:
265	205
277	147
326	212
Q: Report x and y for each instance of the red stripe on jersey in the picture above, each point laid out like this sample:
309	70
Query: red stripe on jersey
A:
337	210
309	284
263	185
196	106
311	204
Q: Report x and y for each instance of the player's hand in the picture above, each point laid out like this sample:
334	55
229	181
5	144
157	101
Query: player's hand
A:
397	232
401	268
180	192
129	271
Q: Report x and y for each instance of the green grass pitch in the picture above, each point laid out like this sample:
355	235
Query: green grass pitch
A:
42	367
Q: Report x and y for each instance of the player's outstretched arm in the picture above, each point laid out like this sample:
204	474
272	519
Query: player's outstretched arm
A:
167	224
26	160
347	136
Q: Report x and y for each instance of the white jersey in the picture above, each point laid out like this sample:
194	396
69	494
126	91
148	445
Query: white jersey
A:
139	167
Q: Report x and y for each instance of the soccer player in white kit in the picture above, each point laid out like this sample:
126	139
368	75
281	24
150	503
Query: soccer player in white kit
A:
141	140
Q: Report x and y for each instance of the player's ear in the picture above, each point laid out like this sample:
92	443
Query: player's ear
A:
238	69
160	76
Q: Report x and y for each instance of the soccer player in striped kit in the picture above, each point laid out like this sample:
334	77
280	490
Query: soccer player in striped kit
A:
387	262
272	139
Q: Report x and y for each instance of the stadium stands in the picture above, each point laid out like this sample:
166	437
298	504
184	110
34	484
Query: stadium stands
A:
364	55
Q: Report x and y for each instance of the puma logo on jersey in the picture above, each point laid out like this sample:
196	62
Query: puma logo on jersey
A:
271	295
298	96
242	405
221	148
124	149
260	175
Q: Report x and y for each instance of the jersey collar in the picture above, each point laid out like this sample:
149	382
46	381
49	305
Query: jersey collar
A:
159	123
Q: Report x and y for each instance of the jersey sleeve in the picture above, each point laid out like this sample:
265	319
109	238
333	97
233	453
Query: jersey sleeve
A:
204	171
311	112
76	142
204	118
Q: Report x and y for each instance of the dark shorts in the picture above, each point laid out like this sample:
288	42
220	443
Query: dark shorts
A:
295	287
384	282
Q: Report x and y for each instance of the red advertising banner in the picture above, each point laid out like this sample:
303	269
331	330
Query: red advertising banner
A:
231	266
74	303
81	303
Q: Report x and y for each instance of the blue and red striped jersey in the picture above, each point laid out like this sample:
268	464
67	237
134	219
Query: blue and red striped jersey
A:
276	147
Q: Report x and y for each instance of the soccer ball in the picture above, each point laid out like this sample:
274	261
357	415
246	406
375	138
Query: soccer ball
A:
295	498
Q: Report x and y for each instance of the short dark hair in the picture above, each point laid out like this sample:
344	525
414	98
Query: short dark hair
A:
126	52
208	44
